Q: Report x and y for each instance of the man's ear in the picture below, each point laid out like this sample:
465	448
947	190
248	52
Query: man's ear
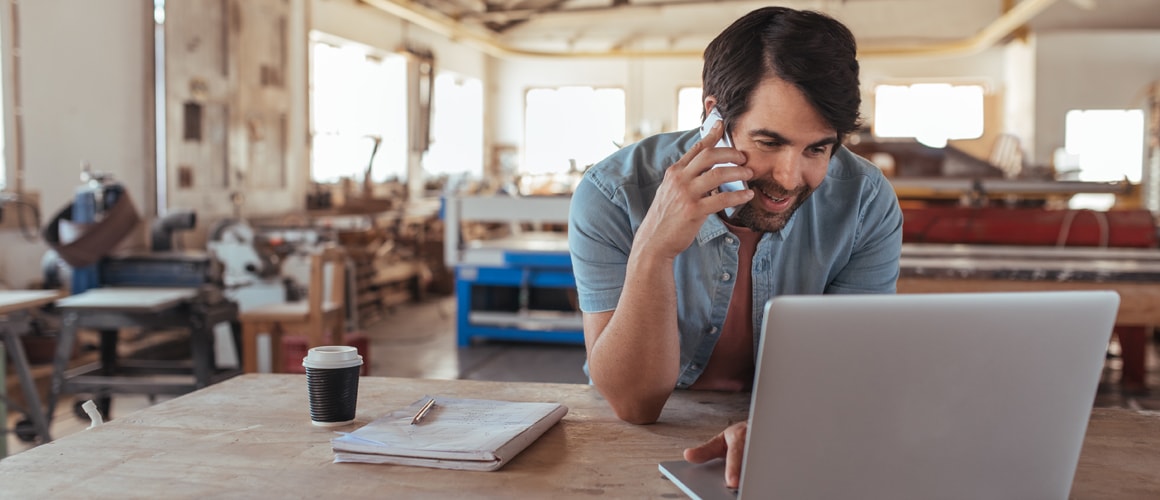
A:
710	102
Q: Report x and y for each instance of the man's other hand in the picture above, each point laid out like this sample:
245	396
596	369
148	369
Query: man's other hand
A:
730	445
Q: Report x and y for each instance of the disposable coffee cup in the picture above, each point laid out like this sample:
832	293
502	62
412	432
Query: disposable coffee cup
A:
332	374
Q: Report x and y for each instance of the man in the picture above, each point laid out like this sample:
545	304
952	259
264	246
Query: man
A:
671	290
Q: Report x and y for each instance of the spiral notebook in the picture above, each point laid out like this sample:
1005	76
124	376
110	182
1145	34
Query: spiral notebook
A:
455	433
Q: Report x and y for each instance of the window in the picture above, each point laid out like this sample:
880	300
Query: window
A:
456	127
1105	145
3	146
1101	146
689	107
571	125
358	102
931	113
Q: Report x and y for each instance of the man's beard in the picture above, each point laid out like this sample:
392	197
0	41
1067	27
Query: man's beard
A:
754	217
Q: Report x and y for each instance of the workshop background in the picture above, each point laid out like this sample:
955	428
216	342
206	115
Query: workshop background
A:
225	146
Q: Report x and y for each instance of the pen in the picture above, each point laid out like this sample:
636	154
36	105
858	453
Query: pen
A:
423	411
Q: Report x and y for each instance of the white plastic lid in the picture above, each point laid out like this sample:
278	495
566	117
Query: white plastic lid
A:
332	356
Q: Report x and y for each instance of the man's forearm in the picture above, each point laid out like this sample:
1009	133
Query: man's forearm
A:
635	360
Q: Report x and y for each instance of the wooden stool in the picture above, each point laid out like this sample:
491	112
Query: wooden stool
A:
323	311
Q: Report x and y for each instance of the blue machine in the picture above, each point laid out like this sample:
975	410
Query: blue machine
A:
92	198
526	273
101	216
519	287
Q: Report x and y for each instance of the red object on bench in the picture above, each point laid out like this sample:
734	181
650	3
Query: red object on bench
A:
294	349
1029	226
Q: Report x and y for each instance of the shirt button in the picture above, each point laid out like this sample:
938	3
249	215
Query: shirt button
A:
729	240
695	366
713	331
725	276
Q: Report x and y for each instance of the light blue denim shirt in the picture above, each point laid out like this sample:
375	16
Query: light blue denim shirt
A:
846	238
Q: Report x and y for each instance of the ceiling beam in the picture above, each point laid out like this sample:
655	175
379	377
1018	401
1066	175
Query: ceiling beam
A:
526	14
413	12
1002	27
500	27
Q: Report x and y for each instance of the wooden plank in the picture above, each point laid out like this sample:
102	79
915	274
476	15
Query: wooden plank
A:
1076	254
396	272
391	298
368	297
128	299
18	300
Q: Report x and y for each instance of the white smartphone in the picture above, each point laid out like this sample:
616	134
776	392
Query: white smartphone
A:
725	142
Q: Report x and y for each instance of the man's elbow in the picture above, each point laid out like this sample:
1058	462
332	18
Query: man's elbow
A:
636	401
638	417
640	412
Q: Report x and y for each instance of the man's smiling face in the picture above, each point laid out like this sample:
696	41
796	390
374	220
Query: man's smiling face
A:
788	145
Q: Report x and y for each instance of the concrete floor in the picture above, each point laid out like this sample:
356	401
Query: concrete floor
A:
418	341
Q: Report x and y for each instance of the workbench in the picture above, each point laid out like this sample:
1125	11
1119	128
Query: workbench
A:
108	310
532	259
251	437
1133	273
525	262
14	307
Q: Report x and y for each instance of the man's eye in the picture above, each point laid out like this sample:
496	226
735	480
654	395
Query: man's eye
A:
820	150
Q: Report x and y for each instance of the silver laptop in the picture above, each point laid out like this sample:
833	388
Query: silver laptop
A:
980	395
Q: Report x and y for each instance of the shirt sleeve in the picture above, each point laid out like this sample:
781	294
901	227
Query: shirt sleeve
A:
873	265
599	239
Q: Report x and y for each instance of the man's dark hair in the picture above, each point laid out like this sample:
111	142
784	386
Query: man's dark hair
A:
810	50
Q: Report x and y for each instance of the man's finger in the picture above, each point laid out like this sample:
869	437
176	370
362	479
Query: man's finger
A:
718	201
705	147
735	444
716	132
714	178
713	448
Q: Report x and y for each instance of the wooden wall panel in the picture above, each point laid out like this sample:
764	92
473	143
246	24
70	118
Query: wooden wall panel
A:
261	103
227	102
197	93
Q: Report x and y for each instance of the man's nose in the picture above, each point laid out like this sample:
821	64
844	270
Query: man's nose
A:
787	170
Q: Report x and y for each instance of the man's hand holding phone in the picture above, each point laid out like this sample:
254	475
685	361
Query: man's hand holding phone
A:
712	119
689	193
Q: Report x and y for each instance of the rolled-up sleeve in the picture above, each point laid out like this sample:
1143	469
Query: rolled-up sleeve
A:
599	239
873	265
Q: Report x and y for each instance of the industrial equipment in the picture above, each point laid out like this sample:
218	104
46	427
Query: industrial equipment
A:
160	288
518	286
973	225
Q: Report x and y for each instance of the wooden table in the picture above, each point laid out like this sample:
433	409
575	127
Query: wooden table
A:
251	437
13	307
